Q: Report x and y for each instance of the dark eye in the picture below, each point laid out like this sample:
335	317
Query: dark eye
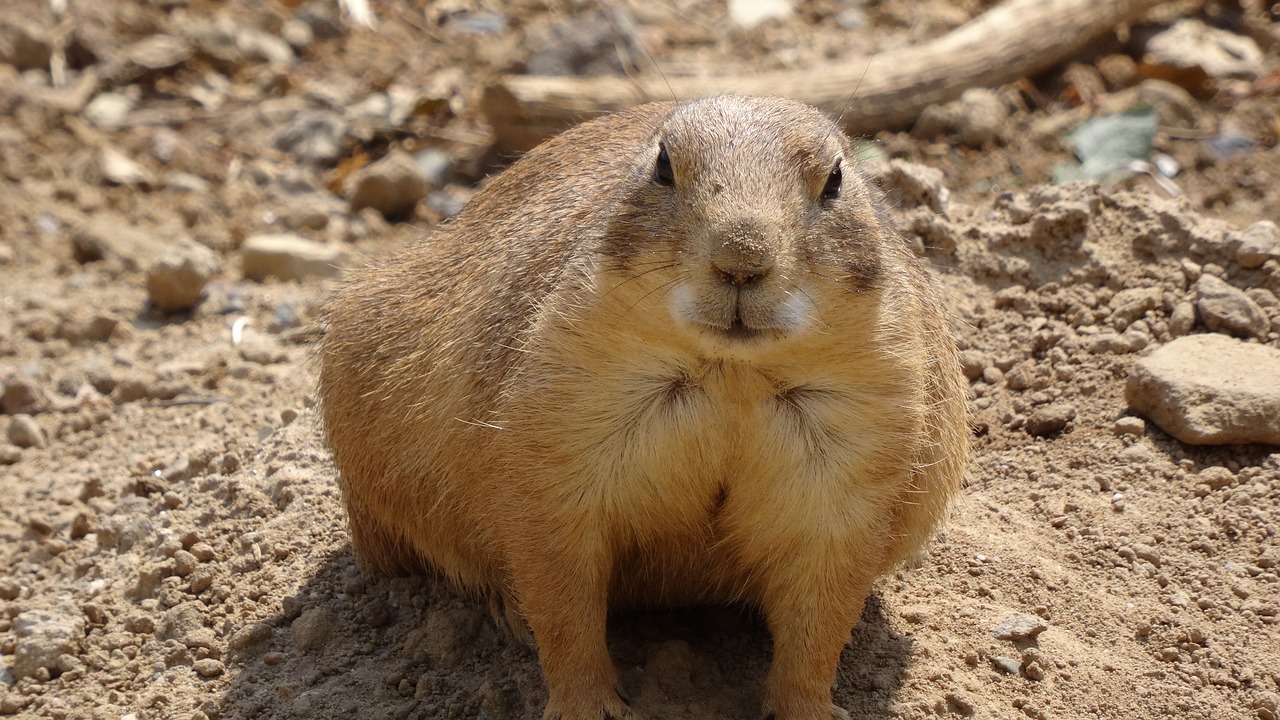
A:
831	190
662	172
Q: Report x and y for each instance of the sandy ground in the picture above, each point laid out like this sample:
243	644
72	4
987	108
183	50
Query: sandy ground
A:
173	540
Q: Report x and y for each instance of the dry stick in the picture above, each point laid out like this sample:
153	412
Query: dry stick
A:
1013	40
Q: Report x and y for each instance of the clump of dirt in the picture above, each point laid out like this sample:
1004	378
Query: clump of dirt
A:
174	545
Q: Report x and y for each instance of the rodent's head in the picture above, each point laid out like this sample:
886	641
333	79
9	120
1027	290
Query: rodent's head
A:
750	220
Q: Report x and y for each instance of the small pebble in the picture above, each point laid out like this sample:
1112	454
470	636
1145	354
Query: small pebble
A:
208	667
1019	627
178	276
1129	425
1007	665
25	432
1049	419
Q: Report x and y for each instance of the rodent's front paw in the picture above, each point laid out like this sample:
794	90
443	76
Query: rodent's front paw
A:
833	713
613	707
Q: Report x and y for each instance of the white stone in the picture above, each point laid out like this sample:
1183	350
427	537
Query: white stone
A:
1210	389
291	257
748	14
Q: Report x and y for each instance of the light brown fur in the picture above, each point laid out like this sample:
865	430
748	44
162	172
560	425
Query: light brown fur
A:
595	389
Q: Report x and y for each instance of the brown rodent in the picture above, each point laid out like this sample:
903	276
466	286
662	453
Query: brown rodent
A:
676	355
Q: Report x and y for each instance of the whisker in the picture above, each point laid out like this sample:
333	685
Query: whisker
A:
664	286
637	276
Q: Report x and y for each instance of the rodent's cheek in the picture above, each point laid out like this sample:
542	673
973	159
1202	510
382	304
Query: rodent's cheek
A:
683	303
795	312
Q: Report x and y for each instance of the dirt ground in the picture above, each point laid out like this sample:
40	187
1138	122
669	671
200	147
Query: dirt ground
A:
173	540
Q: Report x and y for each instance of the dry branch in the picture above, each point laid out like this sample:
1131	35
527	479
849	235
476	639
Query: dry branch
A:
1013	40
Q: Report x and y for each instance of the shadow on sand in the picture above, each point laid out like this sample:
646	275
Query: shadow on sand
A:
351	647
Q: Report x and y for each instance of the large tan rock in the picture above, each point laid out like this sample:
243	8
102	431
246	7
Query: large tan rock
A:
1210	390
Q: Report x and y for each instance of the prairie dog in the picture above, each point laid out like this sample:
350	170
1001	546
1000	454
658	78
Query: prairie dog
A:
675	355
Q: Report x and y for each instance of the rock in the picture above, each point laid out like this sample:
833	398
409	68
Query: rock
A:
253	635
747	14
1136	454
108	110
1019	627
117	169
44	635
980	117
582	45
208	667
185	182
1215	477
1191	43
1049	419
973	363
851	19
1229	144
184	563
9	589
298	34
178	276
1210	390
291	257
308	211
1174	106
976	118
185	623
256	44
1266	299
476	23
435	166
313	628
313	136
908	184
22	394
446	636
25	432
1227	308
158	52
1007	665
1132	303
1182	319
1129	425
81	327
392	186
1259	243
9	454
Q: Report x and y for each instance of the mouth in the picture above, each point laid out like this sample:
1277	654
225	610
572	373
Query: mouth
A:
732	322
739	330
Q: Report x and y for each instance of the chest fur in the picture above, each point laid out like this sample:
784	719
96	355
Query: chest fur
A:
656	443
